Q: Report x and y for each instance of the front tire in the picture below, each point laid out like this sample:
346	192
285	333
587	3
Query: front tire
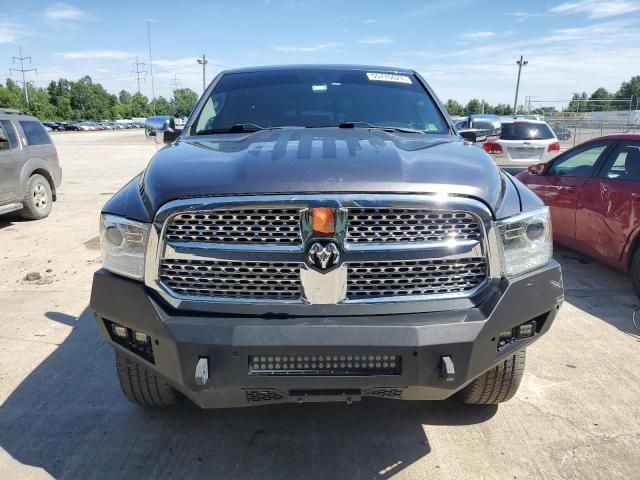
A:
635	272
37	198
140	385
498	384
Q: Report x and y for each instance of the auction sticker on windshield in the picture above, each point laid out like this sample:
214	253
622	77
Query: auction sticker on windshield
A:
388	77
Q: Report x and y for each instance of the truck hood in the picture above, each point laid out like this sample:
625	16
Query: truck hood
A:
328	160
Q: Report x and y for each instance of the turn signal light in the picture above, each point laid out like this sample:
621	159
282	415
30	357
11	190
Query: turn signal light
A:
323	220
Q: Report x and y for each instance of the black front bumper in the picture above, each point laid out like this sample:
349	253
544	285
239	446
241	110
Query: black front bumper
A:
418	342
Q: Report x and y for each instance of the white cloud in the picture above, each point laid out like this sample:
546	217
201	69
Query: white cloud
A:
522	16
478	35
64	12
370	20
376	40
598	8
561	62
95	54
9	32
306	49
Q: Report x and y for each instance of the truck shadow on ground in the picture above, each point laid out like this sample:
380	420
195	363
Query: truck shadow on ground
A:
599	290
69	418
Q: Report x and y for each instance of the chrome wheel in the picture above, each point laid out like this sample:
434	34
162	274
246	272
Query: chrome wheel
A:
40	196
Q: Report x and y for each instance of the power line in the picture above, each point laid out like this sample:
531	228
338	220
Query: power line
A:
139	73
23	70
176	83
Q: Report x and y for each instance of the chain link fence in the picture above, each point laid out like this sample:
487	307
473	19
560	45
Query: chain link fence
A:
588	119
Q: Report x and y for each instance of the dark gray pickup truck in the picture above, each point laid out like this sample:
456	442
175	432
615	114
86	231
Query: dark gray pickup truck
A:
322	233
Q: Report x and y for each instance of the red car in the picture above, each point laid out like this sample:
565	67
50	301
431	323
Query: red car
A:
593	192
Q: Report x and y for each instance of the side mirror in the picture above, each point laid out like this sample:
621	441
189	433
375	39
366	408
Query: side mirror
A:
536	169
157	125
171	135
469	135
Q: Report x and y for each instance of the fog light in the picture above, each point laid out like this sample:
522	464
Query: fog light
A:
119	331
142	338
527	329
506	335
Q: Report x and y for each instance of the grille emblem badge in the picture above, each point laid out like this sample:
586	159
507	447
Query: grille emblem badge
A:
324	256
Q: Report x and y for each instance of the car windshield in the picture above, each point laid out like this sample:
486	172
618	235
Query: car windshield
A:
526	131
319	98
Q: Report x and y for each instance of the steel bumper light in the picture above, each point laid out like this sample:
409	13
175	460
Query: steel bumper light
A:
326	365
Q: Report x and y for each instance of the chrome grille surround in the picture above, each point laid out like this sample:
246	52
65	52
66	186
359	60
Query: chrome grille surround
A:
266	226
414	277
211	278
383	225
317	290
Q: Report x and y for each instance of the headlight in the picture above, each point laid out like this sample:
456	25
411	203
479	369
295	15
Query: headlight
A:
123	243
526	241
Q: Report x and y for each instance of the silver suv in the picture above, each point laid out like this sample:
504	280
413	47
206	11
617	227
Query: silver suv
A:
30	172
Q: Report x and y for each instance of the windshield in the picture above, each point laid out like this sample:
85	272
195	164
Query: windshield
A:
319	98
526	131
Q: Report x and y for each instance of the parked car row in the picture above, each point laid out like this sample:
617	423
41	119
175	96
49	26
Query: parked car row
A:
90	126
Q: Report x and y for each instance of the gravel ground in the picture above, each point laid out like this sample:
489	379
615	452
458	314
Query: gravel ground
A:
577	414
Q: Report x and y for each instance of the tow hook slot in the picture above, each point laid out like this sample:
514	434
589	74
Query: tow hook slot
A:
447	370
202	371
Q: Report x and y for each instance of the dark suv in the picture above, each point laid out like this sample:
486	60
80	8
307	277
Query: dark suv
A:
30	172
321	233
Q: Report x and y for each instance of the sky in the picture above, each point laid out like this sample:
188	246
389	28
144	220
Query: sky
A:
463	48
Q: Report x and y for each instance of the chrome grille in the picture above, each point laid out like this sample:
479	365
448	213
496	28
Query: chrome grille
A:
381	225
367	280
240	280
263	226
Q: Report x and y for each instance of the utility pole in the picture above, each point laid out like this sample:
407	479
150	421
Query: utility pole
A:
203	61
138	73
176	83
153	91
521	63
23	70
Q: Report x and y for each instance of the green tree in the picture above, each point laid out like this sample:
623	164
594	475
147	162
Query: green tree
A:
9	99
454	108
603	100
502	109
629	89
579	103
474	106
162	106
183	101
139	105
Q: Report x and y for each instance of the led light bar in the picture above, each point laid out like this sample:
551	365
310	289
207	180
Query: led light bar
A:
326	365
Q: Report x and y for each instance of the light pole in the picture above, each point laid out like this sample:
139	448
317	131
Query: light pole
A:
153	91
203	61
521	63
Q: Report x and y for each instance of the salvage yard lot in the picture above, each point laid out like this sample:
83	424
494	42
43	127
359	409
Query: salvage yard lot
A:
62	415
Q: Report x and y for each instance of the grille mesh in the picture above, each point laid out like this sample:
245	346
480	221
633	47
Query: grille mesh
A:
212	278
380	225
263	226
415	277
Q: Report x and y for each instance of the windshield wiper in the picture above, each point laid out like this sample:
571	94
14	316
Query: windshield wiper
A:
235	128
378	127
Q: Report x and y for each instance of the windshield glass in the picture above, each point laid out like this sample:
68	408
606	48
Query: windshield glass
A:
526	131
319	98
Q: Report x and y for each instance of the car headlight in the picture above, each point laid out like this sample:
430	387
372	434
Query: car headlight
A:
123	243
526	241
